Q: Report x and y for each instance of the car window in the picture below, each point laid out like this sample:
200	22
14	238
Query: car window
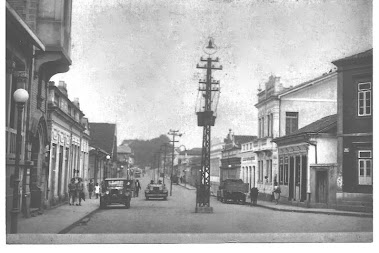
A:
115	184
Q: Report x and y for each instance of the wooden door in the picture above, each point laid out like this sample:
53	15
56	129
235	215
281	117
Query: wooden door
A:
322	187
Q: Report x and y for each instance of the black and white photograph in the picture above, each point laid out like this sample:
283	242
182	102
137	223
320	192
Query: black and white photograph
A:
188	122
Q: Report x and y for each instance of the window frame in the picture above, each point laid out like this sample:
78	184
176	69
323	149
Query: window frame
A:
365	160
364	93
290	119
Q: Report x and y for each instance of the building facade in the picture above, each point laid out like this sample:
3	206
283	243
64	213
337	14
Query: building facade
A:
37	47
282	111
248	164
355	131
68	154
103	138
231	160
308	164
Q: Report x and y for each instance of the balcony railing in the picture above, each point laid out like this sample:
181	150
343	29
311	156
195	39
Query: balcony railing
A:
11	135
263	144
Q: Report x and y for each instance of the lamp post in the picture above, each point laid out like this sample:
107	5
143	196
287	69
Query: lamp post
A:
108	157
20	96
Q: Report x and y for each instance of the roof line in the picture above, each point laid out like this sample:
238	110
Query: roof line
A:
29	31
308	83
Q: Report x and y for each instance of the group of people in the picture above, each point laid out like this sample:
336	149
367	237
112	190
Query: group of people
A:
275	195
92	187
76	191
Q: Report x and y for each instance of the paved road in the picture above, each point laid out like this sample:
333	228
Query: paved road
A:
176	215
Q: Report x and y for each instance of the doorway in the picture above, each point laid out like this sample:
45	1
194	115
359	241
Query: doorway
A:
291	180
321	186
60	169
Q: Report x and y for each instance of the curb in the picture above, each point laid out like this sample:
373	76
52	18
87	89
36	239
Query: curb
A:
316	212
68	228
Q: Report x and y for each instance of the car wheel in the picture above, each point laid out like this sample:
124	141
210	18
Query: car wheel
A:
165	198
147	198
127	205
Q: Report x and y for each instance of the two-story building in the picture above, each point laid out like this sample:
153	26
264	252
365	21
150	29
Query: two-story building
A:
282	111
38	42
103	139
68	153
248	163
231	160
355	131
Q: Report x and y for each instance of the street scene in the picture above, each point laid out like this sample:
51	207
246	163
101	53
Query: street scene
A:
189	121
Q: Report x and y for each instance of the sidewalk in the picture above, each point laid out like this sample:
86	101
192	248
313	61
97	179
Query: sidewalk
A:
54	220
289	208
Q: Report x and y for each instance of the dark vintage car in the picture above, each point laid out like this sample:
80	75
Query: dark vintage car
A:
156	190
116	191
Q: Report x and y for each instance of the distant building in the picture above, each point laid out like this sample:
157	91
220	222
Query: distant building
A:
282	111
355	131
217	145
248	163
231	156
189	162
68	156
104	139
125	158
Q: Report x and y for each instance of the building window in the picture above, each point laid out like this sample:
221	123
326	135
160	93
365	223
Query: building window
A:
268	125
291	122
263	127
269	170
364	99
281	174
285	178
260	171
297	170
259	128
272	125
365	167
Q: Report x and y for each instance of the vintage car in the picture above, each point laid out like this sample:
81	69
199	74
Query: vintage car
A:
156	190
116	191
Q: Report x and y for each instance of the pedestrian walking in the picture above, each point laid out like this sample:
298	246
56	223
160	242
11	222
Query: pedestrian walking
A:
138	187
72	192
97	190
254	195
90	188
80	191
277	192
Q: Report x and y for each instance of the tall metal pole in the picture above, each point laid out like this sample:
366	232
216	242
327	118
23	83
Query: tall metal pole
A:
173	133
203	191
16	180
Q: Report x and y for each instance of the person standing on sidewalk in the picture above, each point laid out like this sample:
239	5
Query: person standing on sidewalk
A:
90	188
277	192
138	187
79	191
97	190
72	192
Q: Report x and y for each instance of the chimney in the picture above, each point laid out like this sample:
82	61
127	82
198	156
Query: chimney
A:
63	87
76	102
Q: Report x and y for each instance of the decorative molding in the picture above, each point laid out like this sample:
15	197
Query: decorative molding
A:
11	65
21	76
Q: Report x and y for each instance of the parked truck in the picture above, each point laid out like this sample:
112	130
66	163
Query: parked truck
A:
234	190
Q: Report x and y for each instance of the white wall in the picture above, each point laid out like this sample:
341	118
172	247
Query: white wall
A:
327	150
312	103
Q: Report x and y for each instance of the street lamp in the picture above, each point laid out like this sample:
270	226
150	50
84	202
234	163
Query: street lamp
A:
20	96
108	157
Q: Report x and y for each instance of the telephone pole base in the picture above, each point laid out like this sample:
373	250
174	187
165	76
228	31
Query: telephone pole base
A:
204	209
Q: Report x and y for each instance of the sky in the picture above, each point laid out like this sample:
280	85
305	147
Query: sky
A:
134	61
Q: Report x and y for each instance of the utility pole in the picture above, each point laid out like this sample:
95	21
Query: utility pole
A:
158	155
164	161
173	133
206	119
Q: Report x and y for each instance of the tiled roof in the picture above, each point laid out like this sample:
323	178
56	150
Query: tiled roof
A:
359	56
102	135
319	126
124	149
244	138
